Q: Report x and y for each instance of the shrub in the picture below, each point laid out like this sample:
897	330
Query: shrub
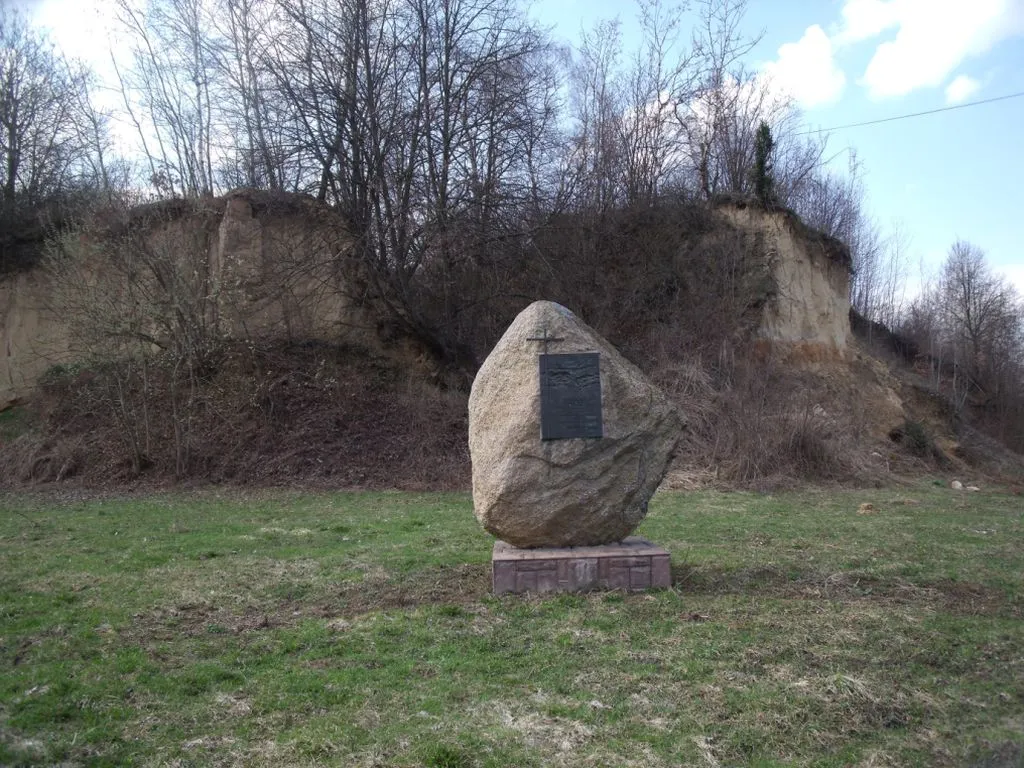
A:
915	438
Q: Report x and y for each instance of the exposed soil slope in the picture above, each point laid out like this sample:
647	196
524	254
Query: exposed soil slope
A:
313	414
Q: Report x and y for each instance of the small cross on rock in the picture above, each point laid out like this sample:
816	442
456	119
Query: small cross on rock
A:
544	338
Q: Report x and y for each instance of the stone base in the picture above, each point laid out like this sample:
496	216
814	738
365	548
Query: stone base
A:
633	564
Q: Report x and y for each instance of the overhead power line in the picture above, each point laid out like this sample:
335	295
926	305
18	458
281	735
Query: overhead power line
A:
915	114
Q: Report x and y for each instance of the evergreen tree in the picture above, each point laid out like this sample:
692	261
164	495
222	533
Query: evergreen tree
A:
764	183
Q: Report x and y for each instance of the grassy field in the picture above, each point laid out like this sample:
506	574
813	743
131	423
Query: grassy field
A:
357	629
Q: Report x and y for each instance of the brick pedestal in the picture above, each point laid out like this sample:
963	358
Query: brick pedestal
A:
632	564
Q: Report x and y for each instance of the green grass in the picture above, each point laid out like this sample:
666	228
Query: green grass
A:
357	629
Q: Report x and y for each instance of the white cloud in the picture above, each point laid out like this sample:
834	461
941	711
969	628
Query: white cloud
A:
961	89
807	71
864	19
1014	273
917	44
932	38
81	29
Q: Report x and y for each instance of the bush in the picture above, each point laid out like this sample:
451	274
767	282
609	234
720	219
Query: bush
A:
762	424
61	375
14	422
915	438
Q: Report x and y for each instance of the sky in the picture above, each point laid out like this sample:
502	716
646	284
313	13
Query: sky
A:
956	174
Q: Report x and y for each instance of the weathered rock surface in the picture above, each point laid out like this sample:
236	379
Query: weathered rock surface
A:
575	492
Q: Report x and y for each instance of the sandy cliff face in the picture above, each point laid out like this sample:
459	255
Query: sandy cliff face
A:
265	267
811	306
32	335
270	267
277	273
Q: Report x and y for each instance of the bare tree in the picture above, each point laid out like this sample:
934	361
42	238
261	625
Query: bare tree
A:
424	119
834	203
693	112
171	80
706	114
258	146
680	114
662	71
597	110
627	145
40	105
143	317
982	317
46	150
970	323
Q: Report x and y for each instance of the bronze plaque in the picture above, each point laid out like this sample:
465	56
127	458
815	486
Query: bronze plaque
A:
570	396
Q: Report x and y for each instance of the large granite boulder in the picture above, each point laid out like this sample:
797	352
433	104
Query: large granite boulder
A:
531	492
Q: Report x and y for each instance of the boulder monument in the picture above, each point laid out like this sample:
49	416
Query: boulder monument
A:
568	439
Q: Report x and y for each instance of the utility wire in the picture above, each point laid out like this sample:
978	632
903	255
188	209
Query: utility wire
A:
915	114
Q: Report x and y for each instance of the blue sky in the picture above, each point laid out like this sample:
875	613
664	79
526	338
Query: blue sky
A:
956	174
